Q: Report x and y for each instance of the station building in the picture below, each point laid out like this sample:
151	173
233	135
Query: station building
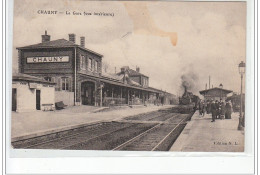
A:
77	74
215	94
31	93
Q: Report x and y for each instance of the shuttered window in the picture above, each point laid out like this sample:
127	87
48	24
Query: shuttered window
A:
57	80
82	62
99	67
96	65
57	85
70	84
89	64
53	79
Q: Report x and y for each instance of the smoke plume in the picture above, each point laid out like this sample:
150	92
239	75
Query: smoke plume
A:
189	80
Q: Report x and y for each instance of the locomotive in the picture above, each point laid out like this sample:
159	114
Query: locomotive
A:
188	98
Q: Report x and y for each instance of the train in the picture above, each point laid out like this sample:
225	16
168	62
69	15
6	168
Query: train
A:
188	98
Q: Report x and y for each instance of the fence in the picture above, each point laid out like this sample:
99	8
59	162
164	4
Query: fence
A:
109	101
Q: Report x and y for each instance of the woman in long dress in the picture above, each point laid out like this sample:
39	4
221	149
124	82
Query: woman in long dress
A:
222	110
228	111
208	108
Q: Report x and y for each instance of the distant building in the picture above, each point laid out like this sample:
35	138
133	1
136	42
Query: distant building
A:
31	93
215	94
77	72
236	100
135	76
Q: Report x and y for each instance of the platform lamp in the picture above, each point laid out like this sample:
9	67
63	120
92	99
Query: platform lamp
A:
221	86
241	68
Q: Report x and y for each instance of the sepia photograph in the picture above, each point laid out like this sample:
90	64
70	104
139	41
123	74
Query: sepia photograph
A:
160	76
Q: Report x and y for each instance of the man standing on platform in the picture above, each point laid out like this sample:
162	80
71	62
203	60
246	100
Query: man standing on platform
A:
213	111
217	109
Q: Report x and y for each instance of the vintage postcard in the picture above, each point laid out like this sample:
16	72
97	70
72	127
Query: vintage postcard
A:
129	75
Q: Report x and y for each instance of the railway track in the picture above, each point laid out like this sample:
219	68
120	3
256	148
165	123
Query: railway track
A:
153	138
155	131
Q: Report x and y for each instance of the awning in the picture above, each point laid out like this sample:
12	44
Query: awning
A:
119	83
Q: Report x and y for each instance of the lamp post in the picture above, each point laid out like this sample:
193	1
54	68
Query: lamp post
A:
221	86
241	68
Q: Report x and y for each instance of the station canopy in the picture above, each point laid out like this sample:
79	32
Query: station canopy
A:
215	91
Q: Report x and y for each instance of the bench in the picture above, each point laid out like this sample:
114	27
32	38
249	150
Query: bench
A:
47	107
60	105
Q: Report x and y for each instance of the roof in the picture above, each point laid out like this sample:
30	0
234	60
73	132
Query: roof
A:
157	90
130	83
113	76
135	73
59	43
236	96
215	88
131	72
120	78
25	77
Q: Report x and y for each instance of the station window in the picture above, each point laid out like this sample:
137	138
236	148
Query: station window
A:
92	65
82	62
96	66
65	83
89	64
47	78
145	82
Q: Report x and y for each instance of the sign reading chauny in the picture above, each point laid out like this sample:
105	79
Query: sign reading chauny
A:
56	59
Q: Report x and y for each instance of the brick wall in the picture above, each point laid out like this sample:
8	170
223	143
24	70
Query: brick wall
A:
91	56
58	70
64	67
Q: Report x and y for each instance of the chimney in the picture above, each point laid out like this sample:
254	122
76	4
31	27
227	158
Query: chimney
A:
72	38
137	69
45	37
82	41
206	87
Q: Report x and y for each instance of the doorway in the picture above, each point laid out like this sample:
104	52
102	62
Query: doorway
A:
87	93
38	99
14	99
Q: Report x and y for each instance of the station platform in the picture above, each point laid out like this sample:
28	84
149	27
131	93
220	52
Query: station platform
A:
31	124
202	135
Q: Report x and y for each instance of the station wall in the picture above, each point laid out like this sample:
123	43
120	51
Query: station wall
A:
66	97
26	96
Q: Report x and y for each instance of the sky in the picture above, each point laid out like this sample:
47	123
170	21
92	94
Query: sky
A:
169	41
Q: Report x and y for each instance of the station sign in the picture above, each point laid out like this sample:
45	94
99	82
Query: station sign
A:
55	59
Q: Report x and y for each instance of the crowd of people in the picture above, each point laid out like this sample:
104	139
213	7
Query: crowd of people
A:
219	109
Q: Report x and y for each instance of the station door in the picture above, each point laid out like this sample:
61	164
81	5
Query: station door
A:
87	93
38	99
14	99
